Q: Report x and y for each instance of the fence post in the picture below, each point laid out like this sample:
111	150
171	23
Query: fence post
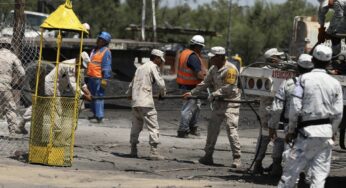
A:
18	28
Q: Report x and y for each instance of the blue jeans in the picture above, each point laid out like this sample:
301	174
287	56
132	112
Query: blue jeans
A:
97	105
189	115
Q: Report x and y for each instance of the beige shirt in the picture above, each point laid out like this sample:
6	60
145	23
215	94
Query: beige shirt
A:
141	87
11	71
216	81
66	77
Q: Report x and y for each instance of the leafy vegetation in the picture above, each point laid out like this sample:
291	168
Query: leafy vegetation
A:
253	29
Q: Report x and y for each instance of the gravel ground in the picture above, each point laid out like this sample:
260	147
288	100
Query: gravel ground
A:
101	155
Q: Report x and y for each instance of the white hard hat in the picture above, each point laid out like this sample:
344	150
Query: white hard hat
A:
158	53
322	53
272	52
197	39
86	26
217	50
305	62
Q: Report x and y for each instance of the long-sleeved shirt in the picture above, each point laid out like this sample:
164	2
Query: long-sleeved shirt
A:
66	77
11	70
141	87
317	95
216	80
281	102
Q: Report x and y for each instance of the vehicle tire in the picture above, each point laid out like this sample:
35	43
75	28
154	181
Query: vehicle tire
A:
29	84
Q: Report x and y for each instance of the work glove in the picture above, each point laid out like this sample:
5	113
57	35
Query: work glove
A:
103	83
321	35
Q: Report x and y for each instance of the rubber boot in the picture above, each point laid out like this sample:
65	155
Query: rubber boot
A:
236	162
207	159
268	169
276	168
154	154
195	131
258	168
183	134
134	151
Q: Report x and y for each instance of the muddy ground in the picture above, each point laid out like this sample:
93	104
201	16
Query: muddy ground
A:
101	156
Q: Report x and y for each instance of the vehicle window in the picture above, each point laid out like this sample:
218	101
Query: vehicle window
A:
31	20
34	20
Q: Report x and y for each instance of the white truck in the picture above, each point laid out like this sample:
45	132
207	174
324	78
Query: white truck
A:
265	81
33	20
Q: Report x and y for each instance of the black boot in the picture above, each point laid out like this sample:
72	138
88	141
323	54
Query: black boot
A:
207	159
183	134
194	131
258	168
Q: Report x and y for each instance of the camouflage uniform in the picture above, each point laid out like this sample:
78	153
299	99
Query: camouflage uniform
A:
11	72
216	79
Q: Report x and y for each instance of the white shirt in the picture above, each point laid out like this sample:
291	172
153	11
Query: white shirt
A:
141	87
317	96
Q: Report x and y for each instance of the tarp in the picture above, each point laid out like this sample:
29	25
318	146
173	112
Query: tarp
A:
63	18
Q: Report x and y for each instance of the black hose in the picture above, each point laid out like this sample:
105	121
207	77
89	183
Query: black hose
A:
257	116
342	138
258	119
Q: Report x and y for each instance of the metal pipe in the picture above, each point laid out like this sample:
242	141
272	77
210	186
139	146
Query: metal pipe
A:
154	20
177	97
143	20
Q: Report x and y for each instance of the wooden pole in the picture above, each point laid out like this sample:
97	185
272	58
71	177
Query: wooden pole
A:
18	27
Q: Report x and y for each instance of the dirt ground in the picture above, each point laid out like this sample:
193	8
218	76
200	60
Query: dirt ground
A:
101	155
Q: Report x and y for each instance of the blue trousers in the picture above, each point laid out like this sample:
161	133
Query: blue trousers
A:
97	105
189	114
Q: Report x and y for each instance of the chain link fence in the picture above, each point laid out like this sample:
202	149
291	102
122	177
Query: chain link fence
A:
22	39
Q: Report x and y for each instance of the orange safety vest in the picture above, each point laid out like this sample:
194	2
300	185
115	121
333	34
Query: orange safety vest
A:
94	67
185	75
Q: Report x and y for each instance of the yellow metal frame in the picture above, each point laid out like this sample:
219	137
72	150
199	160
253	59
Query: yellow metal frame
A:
51	154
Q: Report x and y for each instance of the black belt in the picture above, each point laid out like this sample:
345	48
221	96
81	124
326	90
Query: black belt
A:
313	122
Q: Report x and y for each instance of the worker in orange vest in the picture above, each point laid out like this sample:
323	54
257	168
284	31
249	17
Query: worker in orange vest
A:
98	72
191	72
